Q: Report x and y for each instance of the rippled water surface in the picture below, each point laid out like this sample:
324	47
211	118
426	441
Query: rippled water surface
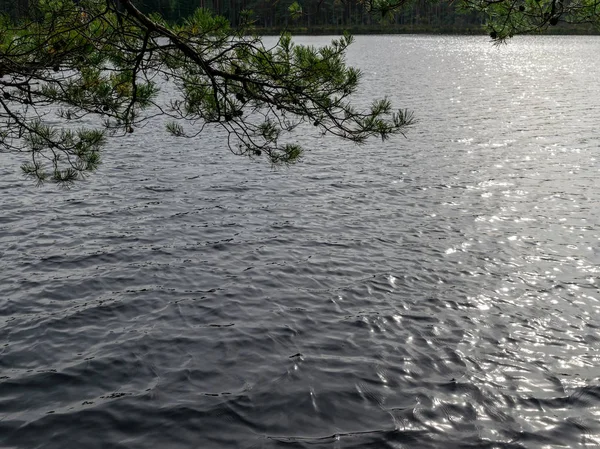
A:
432	292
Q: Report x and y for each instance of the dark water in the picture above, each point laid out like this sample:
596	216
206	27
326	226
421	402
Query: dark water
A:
435	292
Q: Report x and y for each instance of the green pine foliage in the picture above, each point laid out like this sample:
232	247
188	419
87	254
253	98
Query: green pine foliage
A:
107	59
506	18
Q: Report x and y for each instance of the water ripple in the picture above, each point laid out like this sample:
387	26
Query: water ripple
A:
435	295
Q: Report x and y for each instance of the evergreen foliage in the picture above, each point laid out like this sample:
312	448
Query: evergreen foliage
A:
106	58
506	18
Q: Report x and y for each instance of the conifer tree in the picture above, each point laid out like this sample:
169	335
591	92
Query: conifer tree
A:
106	59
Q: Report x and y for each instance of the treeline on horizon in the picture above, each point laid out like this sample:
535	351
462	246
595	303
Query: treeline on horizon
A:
316	16
320	15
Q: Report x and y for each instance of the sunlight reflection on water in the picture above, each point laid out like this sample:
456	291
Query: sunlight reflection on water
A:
439	291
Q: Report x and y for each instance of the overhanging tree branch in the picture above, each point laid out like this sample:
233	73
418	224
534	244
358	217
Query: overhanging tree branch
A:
96	57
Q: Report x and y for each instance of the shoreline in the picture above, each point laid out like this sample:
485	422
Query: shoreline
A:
415	29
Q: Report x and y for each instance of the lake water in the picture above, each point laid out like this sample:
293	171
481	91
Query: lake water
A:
439	291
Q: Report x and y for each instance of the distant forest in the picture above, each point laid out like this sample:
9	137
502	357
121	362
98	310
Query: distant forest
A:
317	15
323	14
